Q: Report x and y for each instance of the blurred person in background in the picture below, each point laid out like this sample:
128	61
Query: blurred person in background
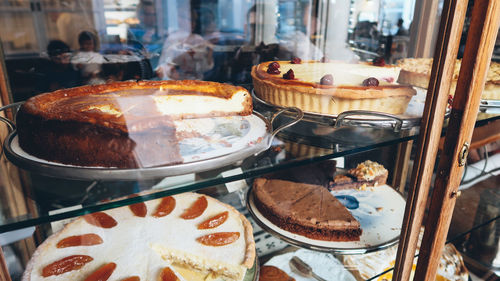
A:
88	60
57	72
143	37
185	54
70	24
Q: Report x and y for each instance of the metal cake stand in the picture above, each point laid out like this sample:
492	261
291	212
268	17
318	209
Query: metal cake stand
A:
18	157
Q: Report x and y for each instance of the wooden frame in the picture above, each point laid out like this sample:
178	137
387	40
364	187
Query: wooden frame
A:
486	19
484	25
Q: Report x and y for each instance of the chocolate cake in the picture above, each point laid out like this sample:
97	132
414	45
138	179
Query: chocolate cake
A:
124	125
305	209
366	174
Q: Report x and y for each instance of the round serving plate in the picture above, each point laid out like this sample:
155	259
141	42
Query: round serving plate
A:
225	141
379	210
363	118
252	274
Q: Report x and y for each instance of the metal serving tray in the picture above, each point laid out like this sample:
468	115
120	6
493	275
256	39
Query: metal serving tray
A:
262	142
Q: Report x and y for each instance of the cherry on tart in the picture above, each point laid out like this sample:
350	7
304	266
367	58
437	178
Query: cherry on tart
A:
326	80
380	61
289	75
273	68
372	81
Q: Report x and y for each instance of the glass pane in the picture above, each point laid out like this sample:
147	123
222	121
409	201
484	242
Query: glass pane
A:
67	26
18	33
14	5
67	5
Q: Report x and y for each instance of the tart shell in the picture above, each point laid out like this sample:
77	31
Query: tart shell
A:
332	100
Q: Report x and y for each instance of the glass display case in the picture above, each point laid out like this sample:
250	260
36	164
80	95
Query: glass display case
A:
313	160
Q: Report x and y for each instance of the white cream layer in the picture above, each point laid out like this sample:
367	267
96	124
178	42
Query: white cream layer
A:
344	74
131	243
194	104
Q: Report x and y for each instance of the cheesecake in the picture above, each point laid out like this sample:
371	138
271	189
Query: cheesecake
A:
331	87
187	236
123	125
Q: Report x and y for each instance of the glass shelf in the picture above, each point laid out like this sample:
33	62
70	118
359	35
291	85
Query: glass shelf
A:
301	145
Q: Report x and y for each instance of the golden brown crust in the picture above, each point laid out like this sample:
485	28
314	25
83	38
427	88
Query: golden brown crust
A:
316	98
259	73
67	104
249	260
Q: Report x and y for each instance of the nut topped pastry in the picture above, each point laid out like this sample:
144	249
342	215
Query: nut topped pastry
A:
331	87
366	174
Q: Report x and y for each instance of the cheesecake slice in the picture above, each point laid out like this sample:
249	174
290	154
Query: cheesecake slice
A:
305	209
123	125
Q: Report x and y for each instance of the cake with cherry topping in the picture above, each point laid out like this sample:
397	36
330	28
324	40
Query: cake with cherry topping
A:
305	209
331	87
182	237
364	175
124	125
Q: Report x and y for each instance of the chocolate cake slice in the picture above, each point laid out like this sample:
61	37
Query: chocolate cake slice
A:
305	209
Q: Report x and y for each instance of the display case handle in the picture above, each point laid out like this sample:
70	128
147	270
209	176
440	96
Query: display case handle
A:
397	125
5	120
298	115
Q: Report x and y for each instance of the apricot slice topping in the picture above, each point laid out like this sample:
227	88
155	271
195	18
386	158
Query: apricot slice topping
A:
139	209
166	206
100	219
66	264
219	238
196	209
133	278
102	273
168	275
214	221
80	240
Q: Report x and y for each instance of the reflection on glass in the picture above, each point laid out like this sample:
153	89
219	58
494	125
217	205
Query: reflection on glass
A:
17	33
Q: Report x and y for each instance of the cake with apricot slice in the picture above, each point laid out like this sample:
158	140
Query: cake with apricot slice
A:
187	236
331	87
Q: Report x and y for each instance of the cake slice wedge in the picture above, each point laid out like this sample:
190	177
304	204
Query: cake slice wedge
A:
305	209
